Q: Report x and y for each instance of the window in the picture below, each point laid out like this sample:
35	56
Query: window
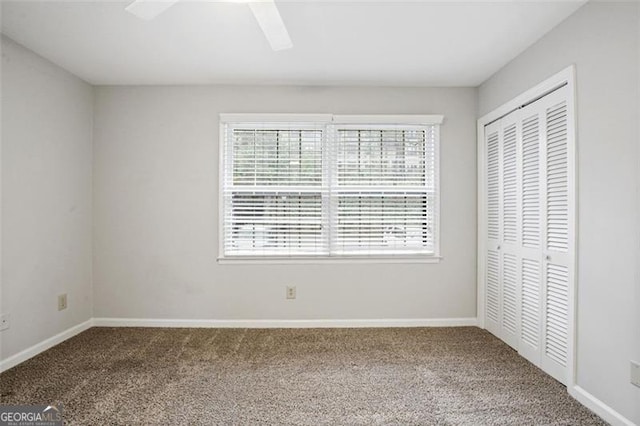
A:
329	186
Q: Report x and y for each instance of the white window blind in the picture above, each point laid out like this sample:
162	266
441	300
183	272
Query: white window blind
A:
321	188
273	190
383	189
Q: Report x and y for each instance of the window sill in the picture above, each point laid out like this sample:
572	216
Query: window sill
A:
244	260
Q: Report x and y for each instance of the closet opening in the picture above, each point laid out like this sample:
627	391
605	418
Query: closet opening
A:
527	224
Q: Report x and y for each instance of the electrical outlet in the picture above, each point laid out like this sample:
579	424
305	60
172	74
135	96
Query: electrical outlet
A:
5	321
635	373
291	292
62	302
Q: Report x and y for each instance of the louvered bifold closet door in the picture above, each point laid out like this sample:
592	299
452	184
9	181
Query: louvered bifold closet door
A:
530	250
531	235
558	252
493	266
509	249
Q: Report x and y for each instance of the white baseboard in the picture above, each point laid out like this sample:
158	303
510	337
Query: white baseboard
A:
34	350
607	413
346	323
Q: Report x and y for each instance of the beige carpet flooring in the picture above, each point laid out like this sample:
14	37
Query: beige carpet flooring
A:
394	376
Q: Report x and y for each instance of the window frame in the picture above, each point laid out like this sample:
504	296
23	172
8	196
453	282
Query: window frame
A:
330	122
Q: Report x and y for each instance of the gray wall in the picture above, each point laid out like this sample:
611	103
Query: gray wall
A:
602	40
156	211
46	198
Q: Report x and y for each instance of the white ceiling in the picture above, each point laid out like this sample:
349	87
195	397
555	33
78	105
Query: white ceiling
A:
334	42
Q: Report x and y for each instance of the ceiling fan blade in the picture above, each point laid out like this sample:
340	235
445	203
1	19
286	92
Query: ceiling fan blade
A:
269	19
149	9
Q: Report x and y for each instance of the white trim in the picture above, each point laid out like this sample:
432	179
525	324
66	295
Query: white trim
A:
38	348
417	119
550	84
572	152
276	260
268	118
219	209
436	183
389	119
607	413
566	76
284	323
481	226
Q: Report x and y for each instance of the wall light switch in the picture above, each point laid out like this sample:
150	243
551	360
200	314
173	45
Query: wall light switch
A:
62	302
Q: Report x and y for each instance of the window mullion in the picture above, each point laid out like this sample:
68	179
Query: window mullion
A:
329	167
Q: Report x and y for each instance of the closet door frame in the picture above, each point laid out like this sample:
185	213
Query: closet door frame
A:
562	78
